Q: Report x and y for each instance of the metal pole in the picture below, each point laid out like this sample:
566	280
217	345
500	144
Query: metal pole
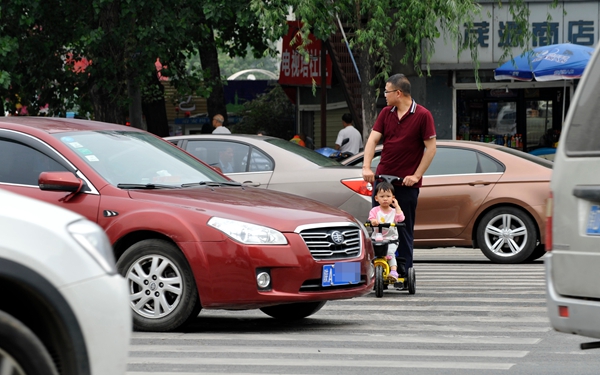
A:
323	95
564	100
348	46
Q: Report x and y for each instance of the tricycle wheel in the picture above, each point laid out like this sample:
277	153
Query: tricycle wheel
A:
379	281
412	288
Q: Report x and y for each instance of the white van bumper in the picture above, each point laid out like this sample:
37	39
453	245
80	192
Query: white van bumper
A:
583	315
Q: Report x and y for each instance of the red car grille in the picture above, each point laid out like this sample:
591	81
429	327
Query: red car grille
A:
333	243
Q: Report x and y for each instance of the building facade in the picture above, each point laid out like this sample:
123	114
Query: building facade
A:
525	115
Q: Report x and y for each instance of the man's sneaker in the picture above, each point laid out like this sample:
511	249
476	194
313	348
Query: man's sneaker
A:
393	276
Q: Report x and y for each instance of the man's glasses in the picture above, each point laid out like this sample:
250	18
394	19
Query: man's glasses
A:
387	92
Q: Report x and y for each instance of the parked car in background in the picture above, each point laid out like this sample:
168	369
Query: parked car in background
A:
481	195
573	239
277	164
185	236
64	309
506	122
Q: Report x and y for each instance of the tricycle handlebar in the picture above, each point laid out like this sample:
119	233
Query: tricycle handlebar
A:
389	178
386	225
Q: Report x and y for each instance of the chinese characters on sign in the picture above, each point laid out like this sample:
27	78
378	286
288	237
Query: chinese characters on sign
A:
546	33
295	70
495	29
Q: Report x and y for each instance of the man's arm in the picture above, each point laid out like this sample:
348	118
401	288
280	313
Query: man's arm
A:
369	153
430	149
339	140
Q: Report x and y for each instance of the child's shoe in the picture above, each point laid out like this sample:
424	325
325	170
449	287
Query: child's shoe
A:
393	276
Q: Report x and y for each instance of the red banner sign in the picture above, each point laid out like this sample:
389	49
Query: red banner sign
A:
295	71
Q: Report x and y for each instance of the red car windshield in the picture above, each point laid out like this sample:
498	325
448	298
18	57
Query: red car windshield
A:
123	157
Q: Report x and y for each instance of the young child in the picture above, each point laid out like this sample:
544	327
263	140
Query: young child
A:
388	211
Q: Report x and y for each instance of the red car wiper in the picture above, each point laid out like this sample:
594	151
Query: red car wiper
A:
212	183
145	186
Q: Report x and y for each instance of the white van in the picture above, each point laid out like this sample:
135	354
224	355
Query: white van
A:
573	227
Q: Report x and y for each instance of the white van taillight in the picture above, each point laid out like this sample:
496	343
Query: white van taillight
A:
549	211
563	311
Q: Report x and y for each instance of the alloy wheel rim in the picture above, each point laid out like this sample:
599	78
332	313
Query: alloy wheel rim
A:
155	286
8	365
506	235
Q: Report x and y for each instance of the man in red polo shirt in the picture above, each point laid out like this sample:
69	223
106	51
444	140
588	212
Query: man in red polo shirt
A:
408	133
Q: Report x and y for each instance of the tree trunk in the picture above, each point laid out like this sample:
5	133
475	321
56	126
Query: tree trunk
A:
107	103
209	58
135	105
104	107
367	92
156	112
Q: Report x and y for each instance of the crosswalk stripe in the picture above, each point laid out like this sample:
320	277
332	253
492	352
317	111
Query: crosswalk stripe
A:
414	299
202	373
484	327
321	316
324	315
405	307
467	290
328	351
395	338
270	362
480	286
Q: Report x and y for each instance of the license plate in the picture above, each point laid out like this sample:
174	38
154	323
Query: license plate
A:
593	225
341	273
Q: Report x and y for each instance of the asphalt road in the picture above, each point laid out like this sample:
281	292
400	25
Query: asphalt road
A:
469	316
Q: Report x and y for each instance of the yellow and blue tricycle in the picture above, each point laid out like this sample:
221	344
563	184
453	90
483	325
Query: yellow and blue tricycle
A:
406	279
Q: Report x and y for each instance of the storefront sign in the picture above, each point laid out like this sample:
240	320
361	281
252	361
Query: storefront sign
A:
297	71
570	23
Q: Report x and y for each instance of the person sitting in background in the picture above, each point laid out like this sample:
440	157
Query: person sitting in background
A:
349	139
217	123
226	160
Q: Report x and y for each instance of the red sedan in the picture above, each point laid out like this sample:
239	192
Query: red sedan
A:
185	236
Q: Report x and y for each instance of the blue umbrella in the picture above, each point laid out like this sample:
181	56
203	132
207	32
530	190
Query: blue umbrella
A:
547	63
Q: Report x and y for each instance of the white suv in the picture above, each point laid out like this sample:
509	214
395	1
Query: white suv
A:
64	309
573	228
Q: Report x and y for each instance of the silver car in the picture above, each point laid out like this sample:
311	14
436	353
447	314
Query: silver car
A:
573	240
277	164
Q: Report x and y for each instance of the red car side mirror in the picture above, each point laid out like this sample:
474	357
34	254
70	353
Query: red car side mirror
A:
59	181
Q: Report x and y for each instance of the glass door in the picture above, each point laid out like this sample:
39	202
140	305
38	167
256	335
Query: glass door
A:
502	123
540	129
